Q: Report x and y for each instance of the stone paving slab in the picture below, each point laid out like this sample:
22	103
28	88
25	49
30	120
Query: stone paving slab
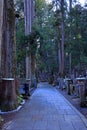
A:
47	109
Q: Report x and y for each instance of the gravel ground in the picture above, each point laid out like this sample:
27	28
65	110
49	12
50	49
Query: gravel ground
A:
75	101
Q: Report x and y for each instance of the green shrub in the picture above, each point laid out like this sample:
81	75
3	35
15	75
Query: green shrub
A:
20	99
1	122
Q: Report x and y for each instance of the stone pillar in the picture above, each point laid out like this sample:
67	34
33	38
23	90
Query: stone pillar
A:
81	82
69	86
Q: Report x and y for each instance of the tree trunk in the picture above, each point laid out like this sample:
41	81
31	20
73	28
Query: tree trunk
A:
28	67
60	59
1	21
33	68
8	97
29	17
63	38
70	55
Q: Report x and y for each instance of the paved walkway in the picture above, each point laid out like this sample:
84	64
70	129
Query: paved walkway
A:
47	109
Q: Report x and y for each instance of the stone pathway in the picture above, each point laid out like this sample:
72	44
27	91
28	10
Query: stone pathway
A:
47	109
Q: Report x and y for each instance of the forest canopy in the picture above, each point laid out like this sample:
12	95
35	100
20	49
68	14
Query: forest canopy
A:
57	26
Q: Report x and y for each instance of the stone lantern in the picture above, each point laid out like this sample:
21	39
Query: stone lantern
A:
69	86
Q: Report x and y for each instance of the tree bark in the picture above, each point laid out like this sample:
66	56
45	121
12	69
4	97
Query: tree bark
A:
29	17
1	22
63	38
60	59
8	97
70	55
33	66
